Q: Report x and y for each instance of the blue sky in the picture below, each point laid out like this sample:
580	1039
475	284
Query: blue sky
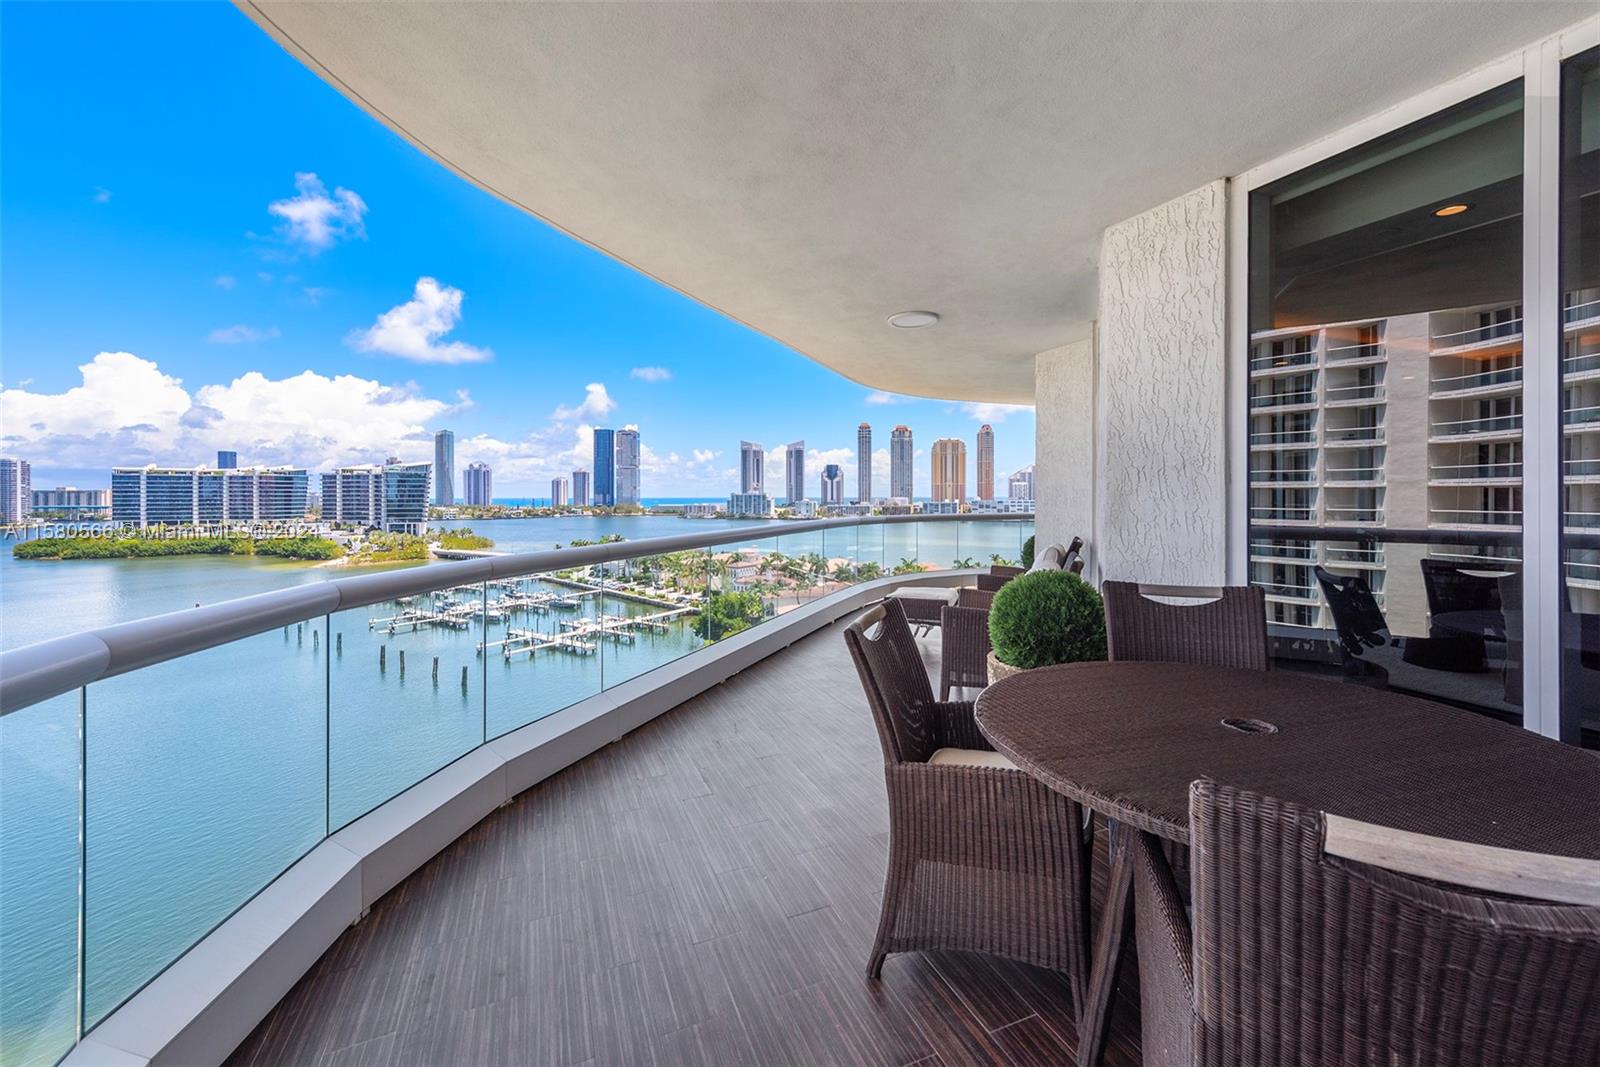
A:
206	246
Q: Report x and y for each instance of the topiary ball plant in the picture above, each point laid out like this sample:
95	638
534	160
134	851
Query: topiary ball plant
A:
1047	617
1027	553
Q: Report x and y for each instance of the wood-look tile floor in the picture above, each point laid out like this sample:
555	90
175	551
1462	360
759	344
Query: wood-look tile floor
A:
704	891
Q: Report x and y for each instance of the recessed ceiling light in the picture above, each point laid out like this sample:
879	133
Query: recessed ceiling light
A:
1451	209
913	320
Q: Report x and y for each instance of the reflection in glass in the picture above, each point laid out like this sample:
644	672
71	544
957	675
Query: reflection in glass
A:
1385	411
186	762
405	694
39	880
533	664
1580	392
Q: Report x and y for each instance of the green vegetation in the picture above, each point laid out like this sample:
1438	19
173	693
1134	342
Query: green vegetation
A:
303	547
463	538
1047	617
729	613
1027	552
391	548
142	546
907	565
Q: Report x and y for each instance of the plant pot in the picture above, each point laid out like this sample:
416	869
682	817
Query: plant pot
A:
999	671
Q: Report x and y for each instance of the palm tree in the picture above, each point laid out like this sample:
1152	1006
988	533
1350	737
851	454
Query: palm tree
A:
964	563
907	565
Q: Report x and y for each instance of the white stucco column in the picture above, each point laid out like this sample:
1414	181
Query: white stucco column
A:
1162	395
1065	382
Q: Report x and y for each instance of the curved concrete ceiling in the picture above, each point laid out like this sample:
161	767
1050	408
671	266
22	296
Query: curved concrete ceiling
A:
810	169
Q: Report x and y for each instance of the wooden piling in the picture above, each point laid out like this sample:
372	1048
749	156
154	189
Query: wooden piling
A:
436	670
383	657
402	663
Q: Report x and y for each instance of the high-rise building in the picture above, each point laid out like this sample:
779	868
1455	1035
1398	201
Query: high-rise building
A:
949	469
1021	484
605	468
477	485
749	506
392	497
901	453
70	502
558	493
986	462
152	495
444	468
628	468
832	485
752	467
794	471
864	462
580	489
227	461
16	490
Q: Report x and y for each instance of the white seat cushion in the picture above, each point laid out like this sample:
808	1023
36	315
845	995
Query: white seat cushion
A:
922	592
970	757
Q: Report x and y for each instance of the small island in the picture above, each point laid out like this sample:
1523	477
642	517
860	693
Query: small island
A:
303	547
371	548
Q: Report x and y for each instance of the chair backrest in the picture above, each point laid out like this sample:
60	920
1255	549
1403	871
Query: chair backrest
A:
1229	629
1451	586
895	681
968	597
963	647
1305	956
1356	615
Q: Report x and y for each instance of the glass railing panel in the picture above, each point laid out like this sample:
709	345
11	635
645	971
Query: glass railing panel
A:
205	777
900	552
744	587
873	561
39	881
841	546
533	662
798	576
650	613
405	694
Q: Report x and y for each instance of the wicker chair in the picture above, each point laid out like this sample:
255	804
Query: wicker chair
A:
997	577
1307	951
1069	558
963	649
1228	630
982	857
974	598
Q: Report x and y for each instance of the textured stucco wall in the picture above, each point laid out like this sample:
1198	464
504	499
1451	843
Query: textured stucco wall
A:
1064	405
1163	383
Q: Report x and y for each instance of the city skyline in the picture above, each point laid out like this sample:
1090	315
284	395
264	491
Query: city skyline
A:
323	294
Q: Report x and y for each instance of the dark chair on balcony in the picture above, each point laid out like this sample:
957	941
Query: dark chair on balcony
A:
982	857
1321	940
1365	641
1227	629
1464	603
964	646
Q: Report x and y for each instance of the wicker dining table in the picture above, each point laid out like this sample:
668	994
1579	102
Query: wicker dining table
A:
1125	739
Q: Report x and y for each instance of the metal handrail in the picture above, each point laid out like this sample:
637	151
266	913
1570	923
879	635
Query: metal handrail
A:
49	668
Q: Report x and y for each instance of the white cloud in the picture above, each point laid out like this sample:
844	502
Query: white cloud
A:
412	330
993	412
597	404
313	220
225	281
705	455
315	293
240	334
126	411
651	374
102	195
878	398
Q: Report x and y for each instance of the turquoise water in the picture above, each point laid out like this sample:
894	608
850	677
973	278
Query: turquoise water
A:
207	776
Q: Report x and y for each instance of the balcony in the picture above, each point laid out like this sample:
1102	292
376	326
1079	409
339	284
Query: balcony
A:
1359	476
1444	474
1366	395
1497	427
1357	354
1354	435
1486	383
1278	439
692	894
1283	477
1284	363
1476	340
1303	398
1354	516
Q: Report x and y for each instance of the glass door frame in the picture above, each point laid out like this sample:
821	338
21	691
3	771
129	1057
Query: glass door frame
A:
1539	66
